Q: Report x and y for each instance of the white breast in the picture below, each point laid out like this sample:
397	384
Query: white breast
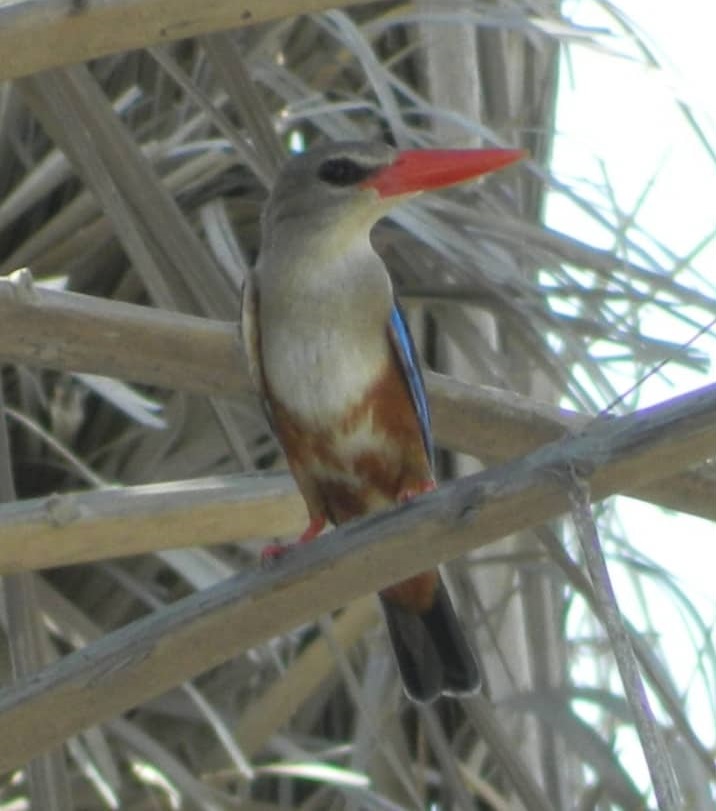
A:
319	373
323	323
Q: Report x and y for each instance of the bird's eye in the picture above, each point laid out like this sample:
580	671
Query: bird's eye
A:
342	172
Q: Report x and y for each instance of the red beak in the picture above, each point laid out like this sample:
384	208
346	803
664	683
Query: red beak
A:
418	170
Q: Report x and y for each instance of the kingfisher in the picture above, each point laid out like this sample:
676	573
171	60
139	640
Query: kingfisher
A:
334	362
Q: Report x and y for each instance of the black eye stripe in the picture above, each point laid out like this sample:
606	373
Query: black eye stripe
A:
343	172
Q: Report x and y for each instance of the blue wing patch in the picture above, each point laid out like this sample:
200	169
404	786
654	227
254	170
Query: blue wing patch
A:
408	356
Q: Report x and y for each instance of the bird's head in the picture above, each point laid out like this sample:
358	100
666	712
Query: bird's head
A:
348	186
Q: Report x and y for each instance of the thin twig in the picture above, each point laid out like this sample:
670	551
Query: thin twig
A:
657	758
654	369
58	447
484	719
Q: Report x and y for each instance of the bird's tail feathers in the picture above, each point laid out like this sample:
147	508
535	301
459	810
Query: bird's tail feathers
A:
430	647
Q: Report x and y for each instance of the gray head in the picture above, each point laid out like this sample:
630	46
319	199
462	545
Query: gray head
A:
326	185
340	190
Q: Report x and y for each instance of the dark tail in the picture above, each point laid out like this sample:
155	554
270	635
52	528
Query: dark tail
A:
431	649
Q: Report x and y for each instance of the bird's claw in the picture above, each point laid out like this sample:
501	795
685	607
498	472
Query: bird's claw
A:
273	552
314	528
409	493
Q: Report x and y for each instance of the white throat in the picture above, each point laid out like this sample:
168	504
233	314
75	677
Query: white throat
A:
324	313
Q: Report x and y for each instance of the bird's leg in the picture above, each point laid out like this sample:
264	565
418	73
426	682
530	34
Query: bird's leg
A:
314	528
409	493
273	552
276	550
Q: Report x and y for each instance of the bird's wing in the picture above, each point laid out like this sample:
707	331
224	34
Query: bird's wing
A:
252	340
407	356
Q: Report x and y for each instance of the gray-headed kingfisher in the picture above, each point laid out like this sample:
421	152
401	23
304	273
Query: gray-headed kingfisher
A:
332	357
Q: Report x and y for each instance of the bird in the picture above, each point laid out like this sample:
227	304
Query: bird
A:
334	362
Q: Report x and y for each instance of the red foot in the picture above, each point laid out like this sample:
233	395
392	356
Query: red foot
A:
314	528
411	492
274	551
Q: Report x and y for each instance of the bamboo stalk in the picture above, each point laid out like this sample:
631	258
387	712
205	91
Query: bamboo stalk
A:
45	34
74	332
75	528
149	656
29	649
